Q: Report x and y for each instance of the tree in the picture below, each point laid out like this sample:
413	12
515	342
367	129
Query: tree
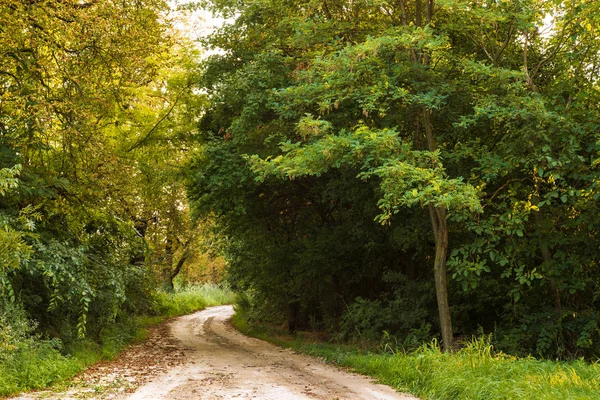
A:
87	91
464	109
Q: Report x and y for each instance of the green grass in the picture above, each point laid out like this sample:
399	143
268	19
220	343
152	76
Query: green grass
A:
31	363
474	372
192	299
35	365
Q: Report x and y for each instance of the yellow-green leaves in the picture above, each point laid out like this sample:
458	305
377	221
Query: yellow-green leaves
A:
9	178
407	177
405	184
309	127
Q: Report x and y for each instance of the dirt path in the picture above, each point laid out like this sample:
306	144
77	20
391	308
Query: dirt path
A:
136	365
228	365
204	358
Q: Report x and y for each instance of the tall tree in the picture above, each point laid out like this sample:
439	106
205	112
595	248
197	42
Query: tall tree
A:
464	110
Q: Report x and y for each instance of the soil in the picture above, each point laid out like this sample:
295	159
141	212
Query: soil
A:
202	357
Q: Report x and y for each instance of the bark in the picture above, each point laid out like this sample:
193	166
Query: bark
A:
439	221
439	224
555	295
418	13
168	260
403	18
440	271
294	312
176	271
173	274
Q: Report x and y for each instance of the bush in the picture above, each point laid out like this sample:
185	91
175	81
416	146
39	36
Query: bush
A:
402	317
26	361
547	334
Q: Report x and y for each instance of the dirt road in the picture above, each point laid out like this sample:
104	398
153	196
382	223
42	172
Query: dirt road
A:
202	357
225	364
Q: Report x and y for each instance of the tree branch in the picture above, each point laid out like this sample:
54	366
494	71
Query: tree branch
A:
147	136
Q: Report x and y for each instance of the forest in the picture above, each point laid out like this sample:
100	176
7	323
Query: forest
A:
424	169
395	171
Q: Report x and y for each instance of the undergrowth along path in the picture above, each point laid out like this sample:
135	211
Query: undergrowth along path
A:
118	378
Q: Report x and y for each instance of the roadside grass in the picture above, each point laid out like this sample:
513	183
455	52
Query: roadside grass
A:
475	372
32	363
190	299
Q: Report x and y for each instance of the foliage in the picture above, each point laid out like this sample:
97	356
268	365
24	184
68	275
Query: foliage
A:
191	299
468	130
26	361
476	372
406	313
96	103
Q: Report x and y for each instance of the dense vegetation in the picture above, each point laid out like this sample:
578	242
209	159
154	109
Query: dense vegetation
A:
28	361
421	168
97	106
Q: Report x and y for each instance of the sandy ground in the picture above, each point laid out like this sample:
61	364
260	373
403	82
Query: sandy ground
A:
214	361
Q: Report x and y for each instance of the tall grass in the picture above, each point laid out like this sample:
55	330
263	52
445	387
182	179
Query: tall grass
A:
34	364
27	362
193	298
475	372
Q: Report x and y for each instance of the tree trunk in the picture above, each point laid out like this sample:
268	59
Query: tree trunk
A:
176	272
439	224
440	231
293	314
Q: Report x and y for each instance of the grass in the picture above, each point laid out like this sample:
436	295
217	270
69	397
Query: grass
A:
191	299
474	372
31	363
35	365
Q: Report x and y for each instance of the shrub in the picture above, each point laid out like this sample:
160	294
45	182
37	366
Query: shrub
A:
401	317
27	361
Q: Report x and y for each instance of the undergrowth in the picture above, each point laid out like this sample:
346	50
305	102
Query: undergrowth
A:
192	298
30	362
476	372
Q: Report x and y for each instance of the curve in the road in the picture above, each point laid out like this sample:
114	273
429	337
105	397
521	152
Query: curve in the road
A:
226	365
